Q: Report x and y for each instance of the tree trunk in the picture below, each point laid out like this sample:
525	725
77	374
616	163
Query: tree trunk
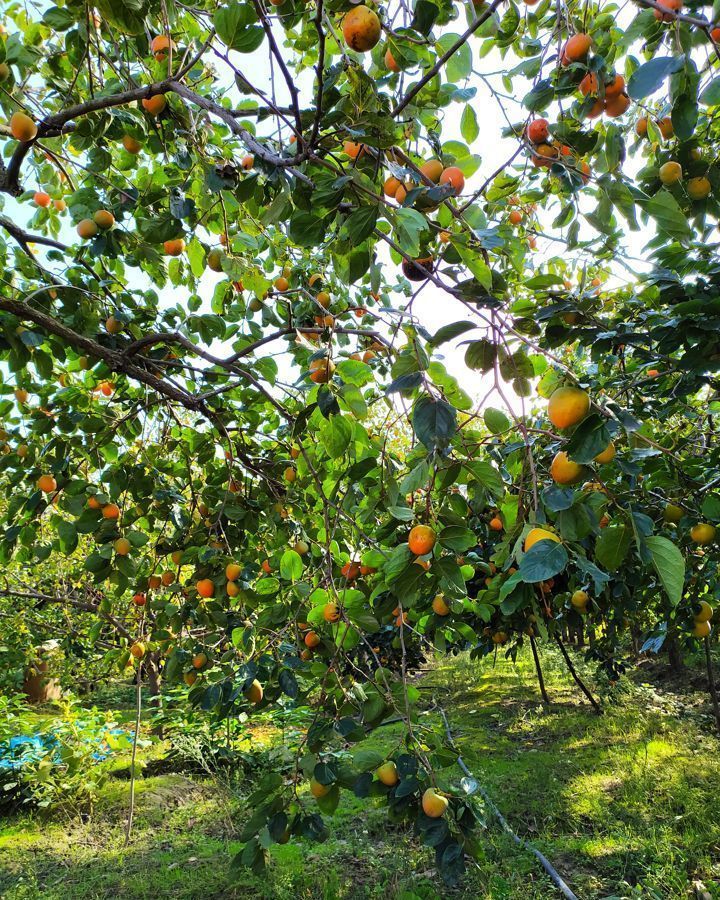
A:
711	683
672	645
576	678
39	686
153	684
538	669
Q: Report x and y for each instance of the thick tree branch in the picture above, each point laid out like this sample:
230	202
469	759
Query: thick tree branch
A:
170	337
81	605
118	361
114	359
250	141
24	237
59	123
682	17
319	72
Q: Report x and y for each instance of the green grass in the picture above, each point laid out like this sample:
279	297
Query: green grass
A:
625	805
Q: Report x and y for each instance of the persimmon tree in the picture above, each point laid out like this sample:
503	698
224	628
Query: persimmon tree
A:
225	410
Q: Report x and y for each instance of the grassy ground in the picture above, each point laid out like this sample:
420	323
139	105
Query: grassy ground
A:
625	805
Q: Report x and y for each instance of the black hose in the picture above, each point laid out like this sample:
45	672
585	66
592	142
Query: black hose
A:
543	860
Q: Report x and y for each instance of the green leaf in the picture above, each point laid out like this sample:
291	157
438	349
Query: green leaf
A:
324	774
451	389
59	19
542	561
613	146
510	584
487	474
600	578
335	435
365	760
664	208
711	95
67	535
125	15
543	281
354	400
589	438
669	563
451	863
574	524
267	586
233	23
96	563
684	116
495	420
508	25
329	802
407	382
291	566
410	226
424	15
469	127
516	365
397	562
452	582
557	498
401	513
459	65
196	257
457	538
448	332
518	598
612	546
540	96
649	77
288	683
481	355
355	371
474	260
306	230
434	422
31	338
711	507
416	478
359	224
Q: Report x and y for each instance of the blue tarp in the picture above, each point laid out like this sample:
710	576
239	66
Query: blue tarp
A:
23	749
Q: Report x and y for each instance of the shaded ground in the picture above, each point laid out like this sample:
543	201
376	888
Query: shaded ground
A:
625	805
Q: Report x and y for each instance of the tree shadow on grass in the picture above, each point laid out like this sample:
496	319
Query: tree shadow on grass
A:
608	799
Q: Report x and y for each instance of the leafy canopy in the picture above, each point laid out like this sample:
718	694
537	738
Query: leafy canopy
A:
225	406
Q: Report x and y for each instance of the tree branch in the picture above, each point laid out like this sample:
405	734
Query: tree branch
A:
289	81
57	124
258	149
114	359
682	17
414	91
24	237
319	70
